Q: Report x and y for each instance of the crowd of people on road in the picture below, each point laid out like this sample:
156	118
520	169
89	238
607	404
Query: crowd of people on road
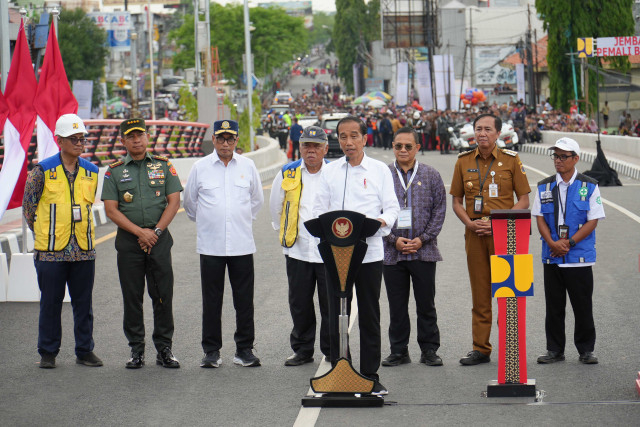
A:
223	196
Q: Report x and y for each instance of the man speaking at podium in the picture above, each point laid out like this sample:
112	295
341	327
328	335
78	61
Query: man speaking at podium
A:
359	183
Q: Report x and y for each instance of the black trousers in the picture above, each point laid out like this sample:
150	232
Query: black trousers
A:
241	276
53	278
444	143
397	279
578	283
387	140
134	266
303	277
367	284
295	153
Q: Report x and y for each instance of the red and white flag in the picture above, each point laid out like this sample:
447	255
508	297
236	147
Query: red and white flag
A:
18	128
53	98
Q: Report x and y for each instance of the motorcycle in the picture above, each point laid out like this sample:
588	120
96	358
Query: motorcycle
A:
462	137
508	138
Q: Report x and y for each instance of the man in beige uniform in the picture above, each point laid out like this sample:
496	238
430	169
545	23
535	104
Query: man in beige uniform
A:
486	179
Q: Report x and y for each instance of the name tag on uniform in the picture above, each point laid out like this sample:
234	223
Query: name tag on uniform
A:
493	190
404	219
546	197
477	205
77	213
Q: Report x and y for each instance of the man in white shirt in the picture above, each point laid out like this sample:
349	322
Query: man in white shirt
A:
223	196
291	204
362	184
567	208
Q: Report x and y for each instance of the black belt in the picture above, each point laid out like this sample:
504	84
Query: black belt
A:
485	218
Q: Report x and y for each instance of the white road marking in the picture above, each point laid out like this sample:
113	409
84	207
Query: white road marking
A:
308	416
615	206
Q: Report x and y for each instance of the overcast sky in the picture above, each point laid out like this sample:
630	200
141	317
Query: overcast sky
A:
318	5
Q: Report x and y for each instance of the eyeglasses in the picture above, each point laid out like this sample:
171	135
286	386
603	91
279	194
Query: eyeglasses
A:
407	147
222	140
561	157
75	140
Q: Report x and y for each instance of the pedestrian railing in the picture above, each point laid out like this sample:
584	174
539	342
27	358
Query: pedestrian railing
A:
173	139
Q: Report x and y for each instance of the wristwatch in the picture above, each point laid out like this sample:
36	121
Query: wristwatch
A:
158	232
572	242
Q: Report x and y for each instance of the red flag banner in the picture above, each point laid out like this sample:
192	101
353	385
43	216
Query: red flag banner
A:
18	129
53	97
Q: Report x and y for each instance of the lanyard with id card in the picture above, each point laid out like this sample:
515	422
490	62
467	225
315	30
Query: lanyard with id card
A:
478	201
405	216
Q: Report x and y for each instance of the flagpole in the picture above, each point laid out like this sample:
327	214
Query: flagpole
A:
5	53
23	13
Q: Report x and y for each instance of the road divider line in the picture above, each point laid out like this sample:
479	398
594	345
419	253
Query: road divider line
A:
307	417
113	234
615	206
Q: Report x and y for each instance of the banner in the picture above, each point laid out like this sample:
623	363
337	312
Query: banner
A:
402	87
520	82
83	91
18	128
53	97
608	46
117	25
424	85
445	82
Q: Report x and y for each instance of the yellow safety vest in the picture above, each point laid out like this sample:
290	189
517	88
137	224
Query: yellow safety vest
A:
54	223
292	186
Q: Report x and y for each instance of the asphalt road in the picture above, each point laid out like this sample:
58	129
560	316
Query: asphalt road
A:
571	393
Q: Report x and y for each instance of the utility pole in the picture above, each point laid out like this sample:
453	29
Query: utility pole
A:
472	69
530	60
535	80
134	74
151	67
196	19
207	55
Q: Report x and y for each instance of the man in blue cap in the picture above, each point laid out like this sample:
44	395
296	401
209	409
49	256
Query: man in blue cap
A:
223	196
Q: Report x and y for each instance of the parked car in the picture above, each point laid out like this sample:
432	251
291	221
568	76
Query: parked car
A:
283	98
330	123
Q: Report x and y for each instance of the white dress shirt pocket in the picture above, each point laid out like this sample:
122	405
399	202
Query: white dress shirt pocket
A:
242	190
212	192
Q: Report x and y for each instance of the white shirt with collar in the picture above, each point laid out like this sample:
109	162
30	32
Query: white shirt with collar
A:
368	190
224	201
596	210
306	246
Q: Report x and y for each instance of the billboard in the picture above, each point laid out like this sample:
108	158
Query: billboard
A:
487	70
408	23
117	25
302	9
608	46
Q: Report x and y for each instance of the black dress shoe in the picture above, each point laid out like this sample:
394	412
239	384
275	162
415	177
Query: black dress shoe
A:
551	357
430	358
297	359
588	358
475	358
395	359
136	361
167	359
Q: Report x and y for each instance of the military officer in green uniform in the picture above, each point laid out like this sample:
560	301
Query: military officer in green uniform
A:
141	195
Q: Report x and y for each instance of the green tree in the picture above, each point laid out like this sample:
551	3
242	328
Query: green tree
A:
322	28
356	25
188	103
277	36
565	21
243	120
83	49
